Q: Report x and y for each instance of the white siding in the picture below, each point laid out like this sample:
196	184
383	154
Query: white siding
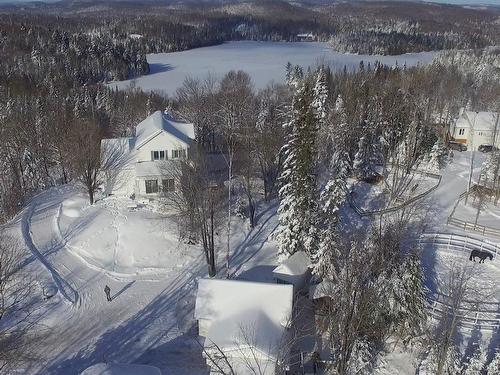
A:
203	327
162	142
120	182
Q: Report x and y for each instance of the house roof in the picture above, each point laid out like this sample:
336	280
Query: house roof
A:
237	308
297	264
481	121
159	122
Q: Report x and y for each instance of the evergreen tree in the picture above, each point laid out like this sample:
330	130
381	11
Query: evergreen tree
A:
437	158
407	298
476	363
430	365
331	198
494	366
298	195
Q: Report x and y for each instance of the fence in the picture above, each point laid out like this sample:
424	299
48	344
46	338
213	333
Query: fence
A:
471	314
407	203
469	226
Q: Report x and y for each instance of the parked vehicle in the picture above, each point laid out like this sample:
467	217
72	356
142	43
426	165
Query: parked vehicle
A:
457	146
487	148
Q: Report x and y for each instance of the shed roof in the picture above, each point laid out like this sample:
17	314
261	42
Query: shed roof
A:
238	307
296	264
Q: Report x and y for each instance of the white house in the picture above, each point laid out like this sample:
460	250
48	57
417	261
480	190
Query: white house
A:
294	270
477	128
136	165
246	321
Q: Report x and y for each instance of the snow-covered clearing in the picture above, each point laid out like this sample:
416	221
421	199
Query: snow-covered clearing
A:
376	197
264	61
81	248
153	277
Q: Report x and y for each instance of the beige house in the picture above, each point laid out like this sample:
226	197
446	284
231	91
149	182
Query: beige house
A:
136	165
477	128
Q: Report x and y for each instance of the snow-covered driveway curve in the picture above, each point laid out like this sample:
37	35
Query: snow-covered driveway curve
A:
67	291
147	321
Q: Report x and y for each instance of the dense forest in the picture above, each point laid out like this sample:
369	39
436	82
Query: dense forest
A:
52	67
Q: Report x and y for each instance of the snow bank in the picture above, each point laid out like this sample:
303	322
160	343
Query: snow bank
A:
109	237
119	369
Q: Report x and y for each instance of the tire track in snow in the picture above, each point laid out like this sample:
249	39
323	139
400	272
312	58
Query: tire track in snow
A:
68	292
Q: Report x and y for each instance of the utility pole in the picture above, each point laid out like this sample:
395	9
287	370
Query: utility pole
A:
472	152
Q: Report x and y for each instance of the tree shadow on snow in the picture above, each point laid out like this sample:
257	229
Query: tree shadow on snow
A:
133	339
117	294
160	68
253	241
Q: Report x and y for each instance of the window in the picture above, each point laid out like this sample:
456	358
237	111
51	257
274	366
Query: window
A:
181	153
158	155
168	185
461	131
151	186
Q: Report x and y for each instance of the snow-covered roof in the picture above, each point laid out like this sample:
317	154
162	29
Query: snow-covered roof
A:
323	289
150	168
159	122
237	308
479	120
120	369
297	264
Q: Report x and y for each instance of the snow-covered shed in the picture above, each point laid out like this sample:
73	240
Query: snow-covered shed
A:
120	369
294	270
246	320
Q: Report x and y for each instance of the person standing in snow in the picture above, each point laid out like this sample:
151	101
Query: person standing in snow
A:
107	290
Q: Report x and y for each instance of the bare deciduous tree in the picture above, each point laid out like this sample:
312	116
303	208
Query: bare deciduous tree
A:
196	201
17	308
235	105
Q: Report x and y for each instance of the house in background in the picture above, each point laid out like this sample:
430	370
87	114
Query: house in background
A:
294	270
477	128
136	165
246	322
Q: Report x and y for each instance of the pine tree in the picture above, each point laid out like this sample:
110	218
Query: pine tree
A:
437	158
430	364
298	194
494	366
331	198
476	363
361	164
407	298
320	96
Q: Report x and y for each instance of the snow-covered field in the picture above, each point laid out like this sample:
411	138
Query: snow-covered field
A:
264	61
153	278
79	249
